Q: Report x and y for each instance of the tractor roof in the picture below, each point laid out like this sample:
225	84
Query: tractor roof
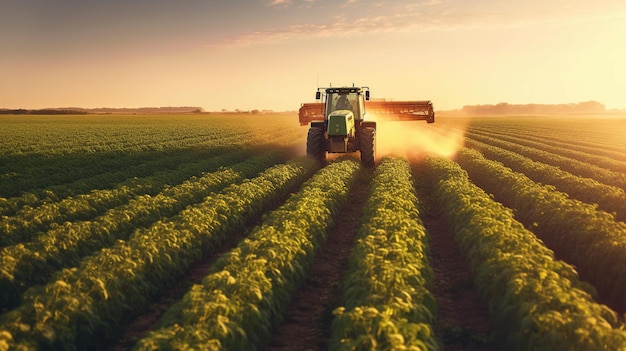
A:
344	89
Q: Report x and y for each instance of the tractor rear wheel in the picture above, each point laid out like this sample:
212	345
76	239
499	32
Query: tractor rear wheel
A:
315	144
367	143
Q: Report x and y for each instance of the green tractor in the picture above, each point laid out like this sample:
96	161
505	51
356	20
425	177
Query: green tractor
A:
343	128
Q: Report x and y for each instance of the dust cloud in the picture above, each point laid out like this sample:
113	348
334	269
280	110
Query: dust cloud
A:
418	138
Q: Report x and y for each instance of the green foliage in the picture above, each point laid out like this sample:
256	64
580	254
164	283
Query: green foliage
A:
134	193
237	305
63	246
537	302
28	222
614	176
609	198
581	234
84	305
61	156
386	302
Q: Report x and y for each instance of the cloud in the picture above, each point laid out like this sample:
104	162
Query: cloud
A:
339	25
410	16
280	3
340	28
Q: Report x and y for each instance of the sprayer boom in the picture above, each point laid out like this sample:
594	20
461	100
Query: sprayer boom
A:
402	110
385	110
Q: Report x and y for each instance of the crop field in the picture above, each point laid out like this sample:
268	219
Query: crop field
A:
216	232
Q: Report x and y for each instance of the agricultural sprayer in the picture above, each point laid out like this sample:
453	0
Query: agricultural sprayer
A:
338	122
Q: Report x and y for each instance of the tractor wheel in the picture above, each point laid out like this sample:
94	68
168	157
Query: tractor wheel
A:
315	144
367	143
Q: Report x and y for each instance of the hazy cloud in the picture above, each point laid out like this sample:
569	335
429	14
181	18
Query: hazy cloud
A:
395	17
339	25
280	3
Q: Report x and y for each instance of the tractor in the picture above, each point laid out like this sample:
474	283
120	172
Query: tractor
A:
338	122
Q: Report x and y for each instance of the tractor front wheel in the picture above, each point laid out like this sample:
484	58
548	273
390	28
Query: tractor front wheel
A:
315	144
367	143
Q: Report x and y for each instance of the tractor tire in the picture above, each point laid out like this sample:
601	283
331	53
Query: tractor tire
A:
315	144
367	143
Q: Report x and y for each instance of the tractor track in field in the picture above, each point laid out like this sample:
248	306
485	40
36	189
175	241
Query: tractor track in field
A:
462	315
307	323
463	321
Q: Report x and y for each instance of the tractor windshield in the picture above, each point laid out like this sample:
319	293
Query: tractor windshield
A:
343	101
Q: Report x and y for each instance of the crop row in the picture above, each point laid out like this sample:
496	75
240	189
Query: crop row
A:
536	301
59	153
30	263
63	135
52	185
386	304
247	290
591	158
608	198
586	237
564	151
606	134
28	222
39	173
561	142
57	136
83	306
554	158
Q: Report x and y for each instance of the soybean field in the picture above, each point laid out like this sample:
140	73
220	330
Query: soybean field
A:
214	231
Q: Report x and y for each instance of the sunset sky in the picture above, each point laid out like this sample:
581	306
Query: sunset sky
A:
272	54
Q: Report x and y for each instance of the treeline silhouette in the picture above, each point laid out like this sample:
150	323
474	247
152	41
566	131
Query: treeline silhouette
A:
102	110
504	108
21	111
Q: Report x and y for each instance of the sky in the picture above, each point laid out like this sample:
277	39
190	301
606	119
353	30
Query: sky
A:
273	54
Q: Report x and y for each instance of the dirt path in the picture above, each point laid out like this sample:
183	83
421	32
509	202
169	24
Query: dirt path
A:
463	317
463	322
308	318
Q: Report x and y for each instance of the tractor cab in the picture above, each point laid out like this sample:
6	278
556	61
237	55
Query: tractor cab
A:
343	128
344	99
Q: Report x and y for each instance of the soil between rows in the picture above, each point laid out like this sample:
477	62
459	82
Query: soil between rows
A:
463	323
307	323
149	319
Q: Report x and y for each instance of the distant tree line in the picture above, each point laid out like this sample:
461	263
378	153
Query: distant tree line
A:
21	111
504	108
167	109
83	111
